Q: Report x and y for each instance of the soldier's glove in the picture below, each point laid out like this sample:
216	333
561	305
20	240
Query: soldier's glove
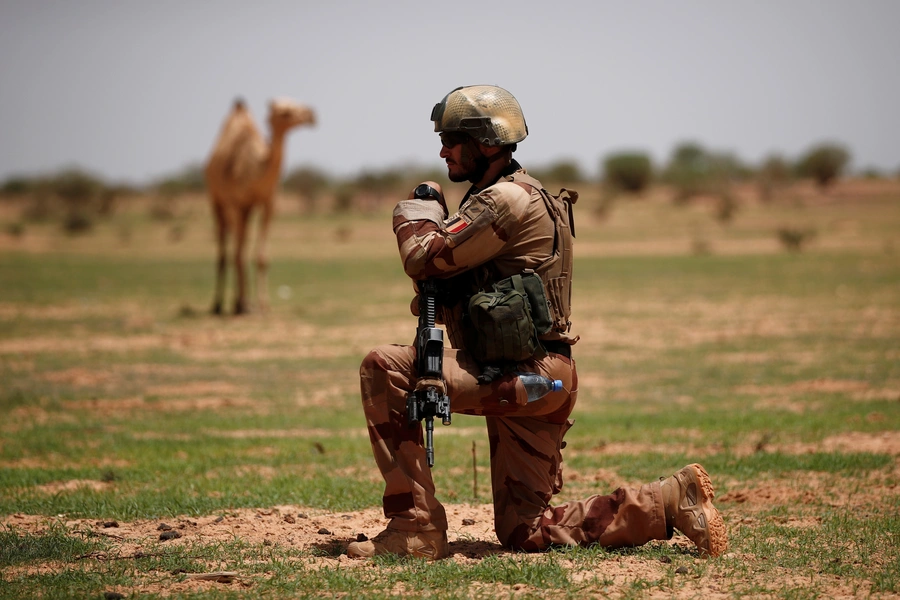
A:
430	190
426	382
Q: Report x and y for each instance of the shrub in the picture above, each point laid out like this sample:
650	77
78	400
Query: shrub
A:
77	187
794	238
18	186
775	172
77	221
559	173
628	171
380	183
688	170
824	163
190	179
306	181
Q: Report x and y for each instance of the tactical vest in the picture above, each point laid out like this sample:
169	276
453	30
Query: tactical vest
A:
556	271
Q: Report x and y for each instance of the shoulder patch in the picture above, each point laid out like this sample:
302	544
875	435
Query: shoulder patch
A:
456	225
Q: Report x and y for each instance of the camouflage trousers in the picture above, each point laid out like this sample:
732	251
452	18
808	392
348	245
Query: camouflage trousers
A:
525	443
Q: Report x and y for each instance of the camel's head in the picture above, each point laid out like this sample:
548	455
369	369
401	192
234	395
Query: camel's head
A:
285	114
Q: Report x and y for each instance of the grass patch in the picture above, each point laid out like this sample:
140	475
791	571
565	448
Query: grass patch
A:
124	399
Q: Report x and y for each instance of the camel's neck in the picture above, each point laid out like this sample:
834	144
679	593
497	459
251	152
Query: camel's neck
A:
275	157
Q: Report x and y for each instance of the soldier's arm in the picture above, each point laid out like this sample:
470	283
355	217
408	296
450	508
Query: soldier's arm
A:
433	247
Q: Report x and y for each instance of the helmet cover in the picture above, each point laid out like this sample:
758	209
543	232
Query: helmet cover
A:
488	113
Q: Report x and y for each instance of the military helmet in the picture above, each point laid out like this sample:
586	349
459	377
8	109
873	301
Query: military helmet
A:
488	113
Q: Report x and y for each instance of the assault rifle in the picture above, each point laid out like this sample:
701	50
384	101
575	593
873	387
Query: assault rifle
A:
428	400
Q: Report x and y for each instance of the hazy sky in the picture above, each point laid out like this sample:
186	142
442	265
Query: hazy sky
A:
135	90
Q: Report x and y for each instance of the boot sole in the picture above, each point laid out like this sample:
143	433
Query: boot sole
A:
715	526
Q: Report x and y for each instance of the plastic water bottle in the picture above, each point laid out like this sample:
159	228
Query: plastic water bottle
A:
537	386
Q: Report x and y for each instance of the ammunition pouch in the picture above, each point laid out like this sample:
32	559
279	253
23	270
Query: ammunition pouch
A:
504	324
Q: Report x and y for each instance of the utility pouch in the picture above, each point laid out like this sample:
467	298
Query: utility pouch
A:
531	285
503	327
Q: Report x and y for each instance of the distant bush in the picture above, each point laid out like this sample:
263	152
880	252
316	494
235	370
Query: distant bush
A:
727	167
628	171
694	171
73	196
561	172
824	163
380	183
77	187
77	221
18	185
775	172
343	198
82	194
16	229
688	170
189	180
793	238
307	181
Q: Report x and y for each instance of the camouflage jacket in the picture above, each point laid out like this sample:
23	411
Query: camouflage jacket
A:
497	232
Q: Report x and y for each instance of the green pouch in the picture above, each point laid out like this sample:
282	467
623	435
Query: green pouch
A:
529	283
502	322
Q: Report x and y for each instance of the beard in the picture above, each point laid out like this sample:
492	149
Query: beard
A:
471	167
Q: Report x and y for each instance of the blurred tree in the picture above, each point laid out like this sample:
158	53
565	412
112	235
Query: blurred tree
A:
824	163
871	173
628	171
380	183
694	171
688	170
189	180
562	172
308	182
19	185
83	196
773	174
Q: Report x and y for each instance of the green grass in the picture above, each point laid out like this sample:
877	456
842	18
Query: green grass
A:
113	372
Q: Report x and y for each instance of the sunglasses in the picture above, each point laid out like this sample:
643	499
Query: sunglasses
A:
453	138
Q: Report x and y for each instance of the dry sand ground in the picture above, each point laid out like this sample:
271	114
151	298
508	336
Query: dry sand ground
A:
325	535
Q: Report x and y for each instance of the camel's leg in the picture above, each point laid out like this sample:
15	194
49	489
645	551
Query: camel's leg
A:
221	243
262	261
240	278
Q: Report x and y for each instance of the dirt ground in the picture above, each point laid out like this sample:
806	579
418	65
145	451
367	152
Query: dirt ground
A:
471	534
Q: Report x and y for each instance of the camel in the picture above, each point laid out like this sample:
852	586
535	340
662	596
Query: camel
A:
241	175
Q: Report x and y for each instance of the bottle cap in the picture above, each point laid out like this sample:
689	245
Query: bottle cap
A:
556	385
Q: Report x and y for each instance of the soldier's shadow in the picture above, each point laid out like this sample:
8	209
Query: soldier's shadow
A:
474	549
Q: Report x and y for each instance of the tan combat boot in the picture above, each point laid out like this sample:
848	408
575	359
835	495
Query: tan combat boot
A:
431	545
687	497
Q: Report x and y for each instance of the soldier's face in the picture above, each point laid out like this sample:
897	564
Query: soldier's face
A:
464	160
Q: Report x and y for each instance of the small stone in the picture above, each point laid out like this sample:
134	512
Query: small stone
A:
361	537
164	527
113	596
169	535
219	519
267	542
324	531
468	521
665	559
289	519
302	516
108	524
682	570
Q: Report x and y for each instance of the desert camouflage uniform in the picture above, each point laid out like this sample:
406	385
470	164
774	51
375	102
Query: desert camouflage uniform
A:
498	232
